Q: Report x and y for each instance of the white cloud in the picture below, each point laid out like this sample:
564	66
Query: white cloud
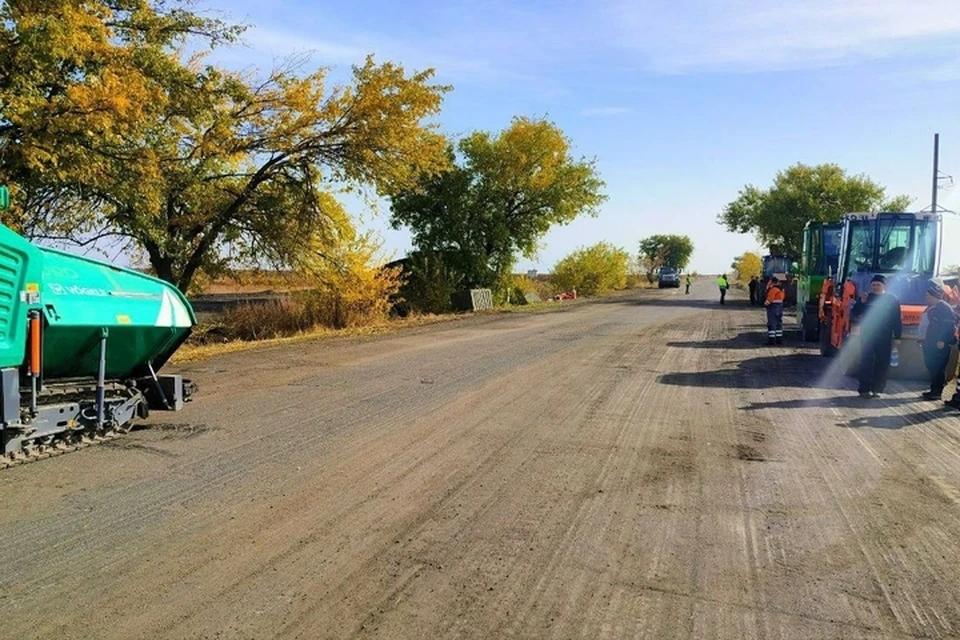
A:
521	42
284	43
450	61
756	35
605	111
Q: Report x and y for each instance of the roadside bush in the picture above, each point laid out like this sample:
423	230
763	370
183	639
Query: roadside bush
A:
265	320
639	281
518	296
348	288
597	269
347	291
304	311
546	289
429	283
520	287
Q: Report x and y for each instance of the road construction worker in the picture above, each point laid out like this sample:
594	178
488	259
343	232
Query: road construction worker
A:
880	329
723	286
774	305
951	295
688	283
936	337
754	291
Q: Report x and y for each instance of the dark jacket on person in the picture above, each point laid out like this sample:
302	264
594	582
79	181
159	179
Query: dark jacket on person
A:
879	318
941	325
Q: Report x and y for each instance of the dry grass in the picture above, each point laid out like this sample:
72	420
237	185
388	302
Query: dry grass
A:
193	352
296	313
263	321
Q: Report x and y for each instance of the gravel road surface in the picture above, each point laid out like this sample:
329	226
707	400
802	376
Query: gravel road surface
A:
641	467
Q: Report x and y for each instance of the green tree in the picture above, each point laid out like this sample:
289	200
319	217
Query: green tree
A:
665	251
501	195
747	266
429	281
800	194
592	270
199	167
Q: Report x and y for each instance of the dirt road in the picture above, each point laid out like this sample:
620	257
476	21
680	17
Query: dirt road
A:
642	467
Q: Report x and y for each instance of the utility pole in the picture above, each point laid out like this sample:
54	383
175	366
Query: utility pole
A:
937	176
936	169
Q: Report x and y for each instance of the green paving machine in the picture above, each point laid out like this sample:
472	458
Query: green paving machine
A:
80	345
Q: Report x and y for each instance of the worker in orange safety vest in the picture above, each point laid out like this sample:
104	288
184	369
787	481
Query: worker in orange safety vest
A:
774	305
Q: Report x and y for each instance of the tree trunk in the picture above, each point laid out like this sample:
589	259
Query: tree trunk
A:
162	264
186	277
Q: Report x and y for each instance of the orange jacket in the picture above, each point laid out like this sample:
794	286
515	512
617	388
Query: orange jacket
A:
775	295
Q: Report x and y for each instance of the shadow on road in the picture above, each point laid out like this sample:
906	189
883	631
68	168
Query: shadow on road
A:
750	338
793	369
894	421
852	401
685	301
737	304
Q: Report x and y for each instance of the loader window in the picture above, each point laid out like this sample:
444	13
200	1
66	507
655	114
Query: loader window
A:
893	253
831	249
812	256
925	248
775	264
861	246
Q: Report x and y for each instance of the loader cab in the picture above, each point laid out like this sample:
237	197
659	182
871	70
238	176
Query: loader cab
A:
902	246
780	266
821	248
785	268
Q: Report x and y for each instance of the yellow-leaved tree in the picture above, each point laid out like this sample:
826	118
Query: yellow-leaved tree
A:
747	266
80	83
199	167
351	287
597	269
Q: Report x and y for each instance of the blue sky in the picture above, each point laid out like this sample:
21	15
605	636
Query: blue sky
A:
681	102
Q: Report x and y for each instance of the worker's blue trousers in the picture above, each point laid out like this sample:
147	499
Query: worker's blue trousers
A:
775	320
